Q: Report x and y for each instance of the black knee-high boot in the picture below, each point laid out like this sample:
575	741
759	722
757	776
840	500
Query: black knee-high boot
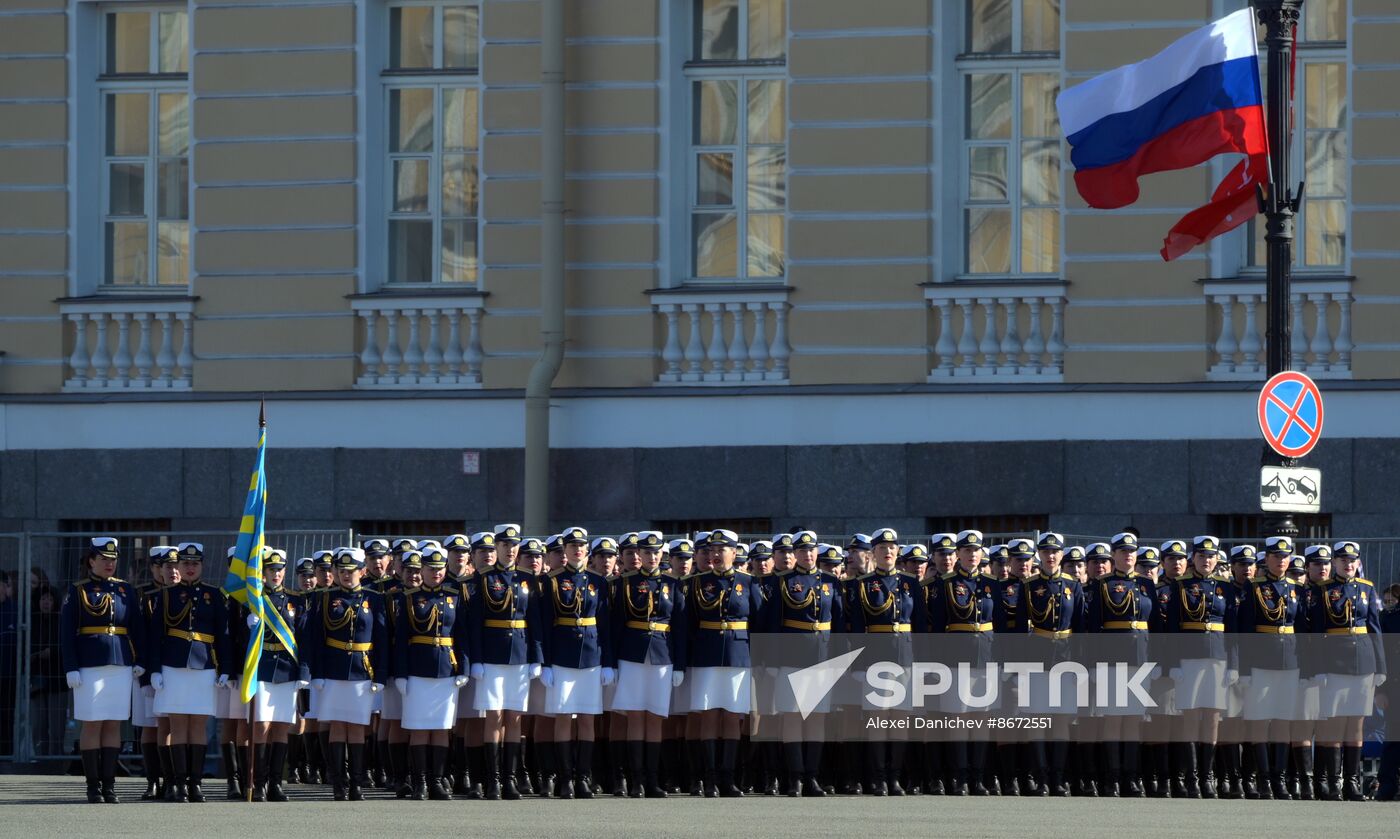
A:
544	764
150	762
1351	769
1112	769
167	771
895	773
709	761
510	761
436	778
194	785
583	768
976	773
1038	758
327	772
1332	771
793	765
92	771
1261	771
399	769
335	765
229	752
276	768
636	768
957	750
475	774
651	770
418	762
491	771
695	766
1089	767
933	768
1303	764
108	771
564	765
356	752
875	768
1278	774
617	766
811	765
729	755
1059	761
1006	768
179	769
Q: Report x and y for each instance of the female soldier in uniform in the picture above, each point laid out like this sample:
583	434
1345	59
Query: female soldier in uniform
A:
1268	612
101	631
346	651
1347	616
431	664
232	710
280	676
190	662
164	572
643	651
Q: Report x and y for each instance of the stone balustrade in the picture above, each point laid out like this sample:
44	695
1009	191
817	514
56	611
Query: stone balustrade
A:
419	341
1320	318
997	331
723	336
129	343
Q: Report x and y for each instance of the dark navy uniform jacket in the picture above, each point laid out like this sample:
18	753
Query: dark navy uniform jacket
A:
1122	605
1348	614
646	613
277	664
959	602
720	610
1269	611
102	624
1054	604
577	631
1009	606
809	603
882	602
189	628
430	633
1200	610
504	609
346	638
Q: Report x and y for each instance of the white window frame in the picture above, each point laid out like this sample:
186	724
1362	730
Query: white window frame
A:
741	71
1326	52
1016	64
437	79
152	84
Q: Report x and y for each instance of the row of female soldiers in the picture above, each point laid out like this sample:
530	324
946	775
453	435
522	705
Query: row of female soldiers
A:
453	645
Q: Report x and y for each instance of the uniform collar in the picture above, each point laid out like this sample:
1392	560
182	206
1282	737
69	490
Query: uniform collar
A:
798	569
277	589
728	572
576	569
351	590
655	572
1271	578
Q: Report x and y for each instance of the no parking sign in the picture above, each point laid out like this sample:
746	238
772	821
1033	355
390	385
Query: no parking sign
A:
1290	413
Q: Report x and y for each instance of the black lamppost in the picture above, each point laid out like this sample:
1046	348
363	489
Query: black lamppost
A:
1279	203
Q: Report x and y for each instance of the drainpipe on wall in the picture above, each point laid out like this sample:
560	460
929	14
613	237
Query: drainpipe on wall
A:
537	390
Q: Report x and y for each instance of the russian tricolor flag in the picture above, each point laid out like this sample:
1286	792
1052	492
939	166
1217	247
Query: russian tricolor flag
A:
1197	98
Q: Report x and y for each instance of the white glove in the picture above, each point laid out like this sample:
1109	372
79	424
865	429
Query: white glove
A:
1232	677
535	671
477	671
1380	679
1320	680
157	681
253	621
75	679
318	684
1243	685
375	687
547	676
301	685
401	685
137	671
223	680
677	678
148	692
609	676
459	681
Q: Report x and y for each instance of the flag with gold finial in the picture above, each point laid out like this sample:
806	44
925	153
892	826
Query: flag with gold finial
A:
244	582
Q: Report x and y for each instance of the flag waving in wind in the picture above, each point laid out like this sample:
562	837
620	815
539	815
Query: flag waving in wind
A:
1197	98
244	582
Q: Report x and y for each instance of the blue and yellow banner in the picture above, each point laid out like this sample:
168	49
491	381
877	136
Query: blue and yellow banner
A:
245	583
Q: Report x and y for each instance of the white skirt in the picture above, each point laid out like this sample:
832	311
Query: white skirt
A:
231	704
784	701
343	701
720	688
105	694
1309	707
466	701
575	691
1234	698
1347	696
503	687
642	687
393	702
431	704
276	703
1200	685
1272	695
142	713
187	691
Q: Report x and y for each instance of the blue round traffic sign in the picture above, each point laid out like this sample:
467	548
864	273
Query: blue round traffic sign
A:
1290	413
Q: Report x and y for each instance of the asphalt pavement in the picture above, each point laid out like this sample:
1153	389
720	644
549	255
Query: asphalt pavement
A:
46	805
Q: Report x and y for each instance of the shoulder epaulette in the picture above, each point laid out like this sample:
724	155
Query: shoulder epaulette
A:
866	575
739	573
1365	581
1063	576
907	574
556	572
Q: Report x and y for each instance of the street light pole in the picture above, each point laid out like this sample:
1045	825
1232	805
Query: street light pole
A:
1280	203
